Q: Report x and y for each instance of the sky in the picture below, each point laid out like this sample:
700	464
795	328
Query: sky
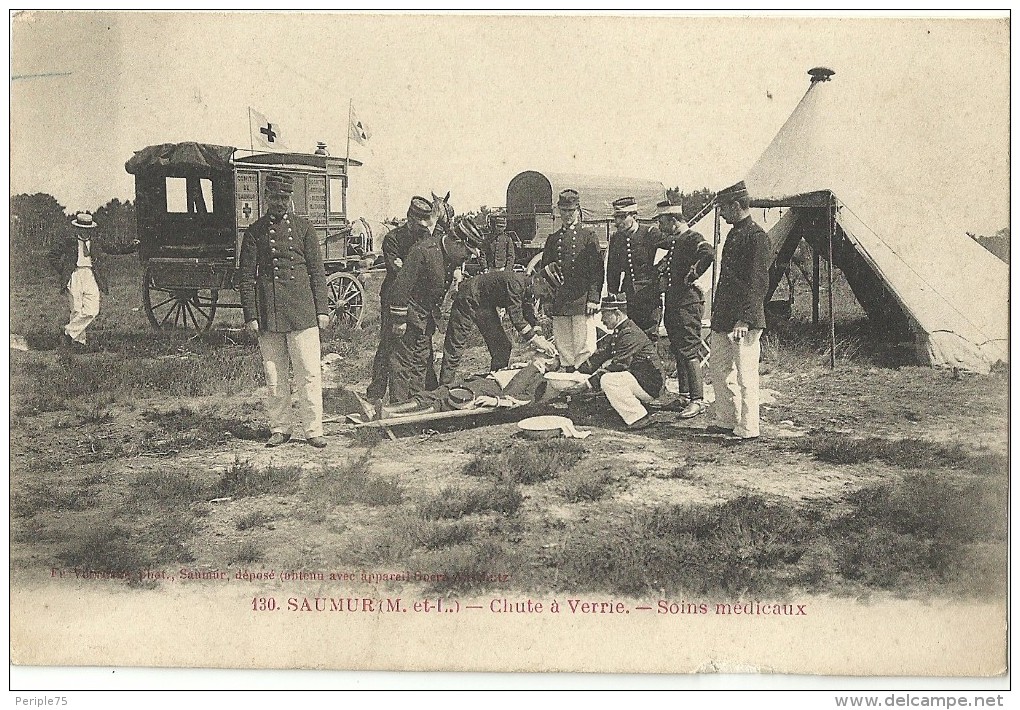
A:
464	103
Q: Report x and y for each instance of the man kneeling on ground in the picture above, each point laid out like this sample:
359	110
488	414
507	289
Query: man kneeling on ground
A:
633	375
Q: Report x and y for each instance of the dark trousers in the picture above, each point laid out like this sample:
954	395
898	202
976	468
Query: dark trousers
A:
464	317
411	362
381	378
643	307
683	326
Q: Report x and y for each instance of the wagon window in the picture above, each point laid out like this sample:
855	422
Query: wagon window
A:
336	195
300	196
189	195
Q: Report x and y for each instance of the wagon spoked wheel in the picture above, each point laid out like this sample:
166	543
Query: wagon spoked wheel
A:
189	308
346	301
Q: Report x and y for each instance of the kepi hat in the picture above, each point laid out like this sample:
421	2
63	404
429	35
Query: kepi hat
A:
83	220
499	220
569	200
614	302
624	206
467	231
667	208
732	193
279	184
420	210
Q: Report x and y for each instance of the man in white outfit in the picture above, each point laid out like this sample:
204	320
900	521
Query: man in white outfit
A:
79	260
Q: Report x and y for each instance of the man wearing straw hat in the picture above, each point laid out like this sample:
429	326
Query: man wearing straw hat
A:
632	375
738	317
282	286
630	265
688	256
572	264
78	259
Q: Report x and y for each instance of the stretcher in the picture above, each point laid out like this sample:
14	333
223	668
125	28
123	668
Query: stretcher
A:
388	424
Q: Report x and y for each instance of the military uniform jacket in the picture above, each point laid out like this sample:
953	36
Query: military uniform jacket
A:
503	289
576	250
422	282
743	278
631	351
64	258
688	256
631	259
499	252
395	246
281	281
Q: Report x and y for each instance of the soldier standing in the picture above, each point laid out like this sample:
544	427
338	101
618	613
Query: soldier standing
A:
415	301
498	252
282	286
738	317
630	265
572	264
396	245
688	256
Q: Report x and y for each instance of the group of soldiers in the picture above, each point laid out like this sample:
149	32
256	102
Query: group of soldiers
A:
651	276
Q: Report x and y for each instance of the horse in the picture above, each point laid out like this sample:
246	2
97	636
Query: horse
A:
443	212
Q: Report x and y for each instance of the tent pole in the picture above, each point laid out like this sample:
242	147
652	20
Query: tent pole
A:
828	271
716	236
815	284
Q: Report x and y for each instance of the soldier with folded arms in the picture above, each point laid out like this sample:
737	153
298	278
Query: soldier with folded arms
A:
630	265
572	264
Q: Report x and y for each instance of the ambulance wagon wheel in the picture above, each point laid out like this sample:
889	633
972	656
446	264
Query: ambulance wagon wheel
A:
170	307
346	301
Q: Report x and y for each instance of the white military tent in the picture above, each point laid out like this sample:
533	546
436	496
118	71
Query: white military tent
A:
899	255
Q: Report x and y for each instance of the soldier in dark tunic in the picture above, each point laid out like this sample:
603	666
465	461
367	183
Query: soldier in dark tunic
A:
572	264
630	265
415	302
688	256
396	245
633	374
282	286
738	317
498	253
476	304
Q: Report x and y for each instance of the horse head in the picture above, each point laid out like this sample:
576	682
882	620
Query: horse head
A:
443	212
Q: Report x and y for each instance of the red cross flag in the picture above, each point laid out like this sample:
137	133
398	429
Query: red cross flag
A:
265	133
358	131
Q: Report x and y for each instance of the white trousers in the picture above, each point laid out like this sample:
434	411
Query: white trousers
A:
293	380
626	395
83	295
575	338
734	368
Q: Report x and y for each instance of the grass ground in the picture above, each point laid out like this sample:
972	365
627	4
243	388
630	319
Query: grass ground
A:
146	453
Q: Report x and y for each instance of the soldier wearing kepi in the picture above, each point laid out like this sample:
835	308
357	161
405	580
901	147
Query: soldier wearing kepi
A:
738	317
688	256
633	376
415	302
475	306
79	260
572	264
630	265
498	252
282	286
395	246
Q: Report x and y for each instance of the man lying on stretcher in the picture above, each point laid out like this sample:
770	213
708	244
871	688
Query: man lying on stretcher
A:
510	387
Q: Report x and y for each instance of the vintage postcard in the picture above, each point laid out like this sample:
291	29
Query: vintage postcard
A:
646	343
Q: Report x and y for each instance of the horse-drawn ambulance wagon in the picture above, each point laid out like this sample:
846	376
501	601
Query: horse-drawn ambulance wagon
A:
193	202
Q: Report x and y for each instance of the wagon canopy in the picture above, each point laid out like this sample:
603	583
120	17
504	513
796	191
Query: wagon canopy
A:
532	191
181	159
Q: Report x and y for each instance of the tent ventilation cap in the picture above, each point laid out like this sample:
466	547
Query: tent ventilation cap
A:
820	74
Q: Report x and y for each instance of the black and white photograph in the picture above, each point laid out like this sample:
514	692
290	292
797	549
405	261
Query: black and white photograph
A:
643	343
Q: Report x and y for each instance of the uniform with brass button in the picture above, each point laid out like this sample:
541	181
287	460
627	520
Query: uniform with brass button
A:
630	265
282	285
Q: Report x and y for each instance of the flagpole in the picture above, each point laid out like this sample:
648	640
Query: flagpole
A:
350	117
251	141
